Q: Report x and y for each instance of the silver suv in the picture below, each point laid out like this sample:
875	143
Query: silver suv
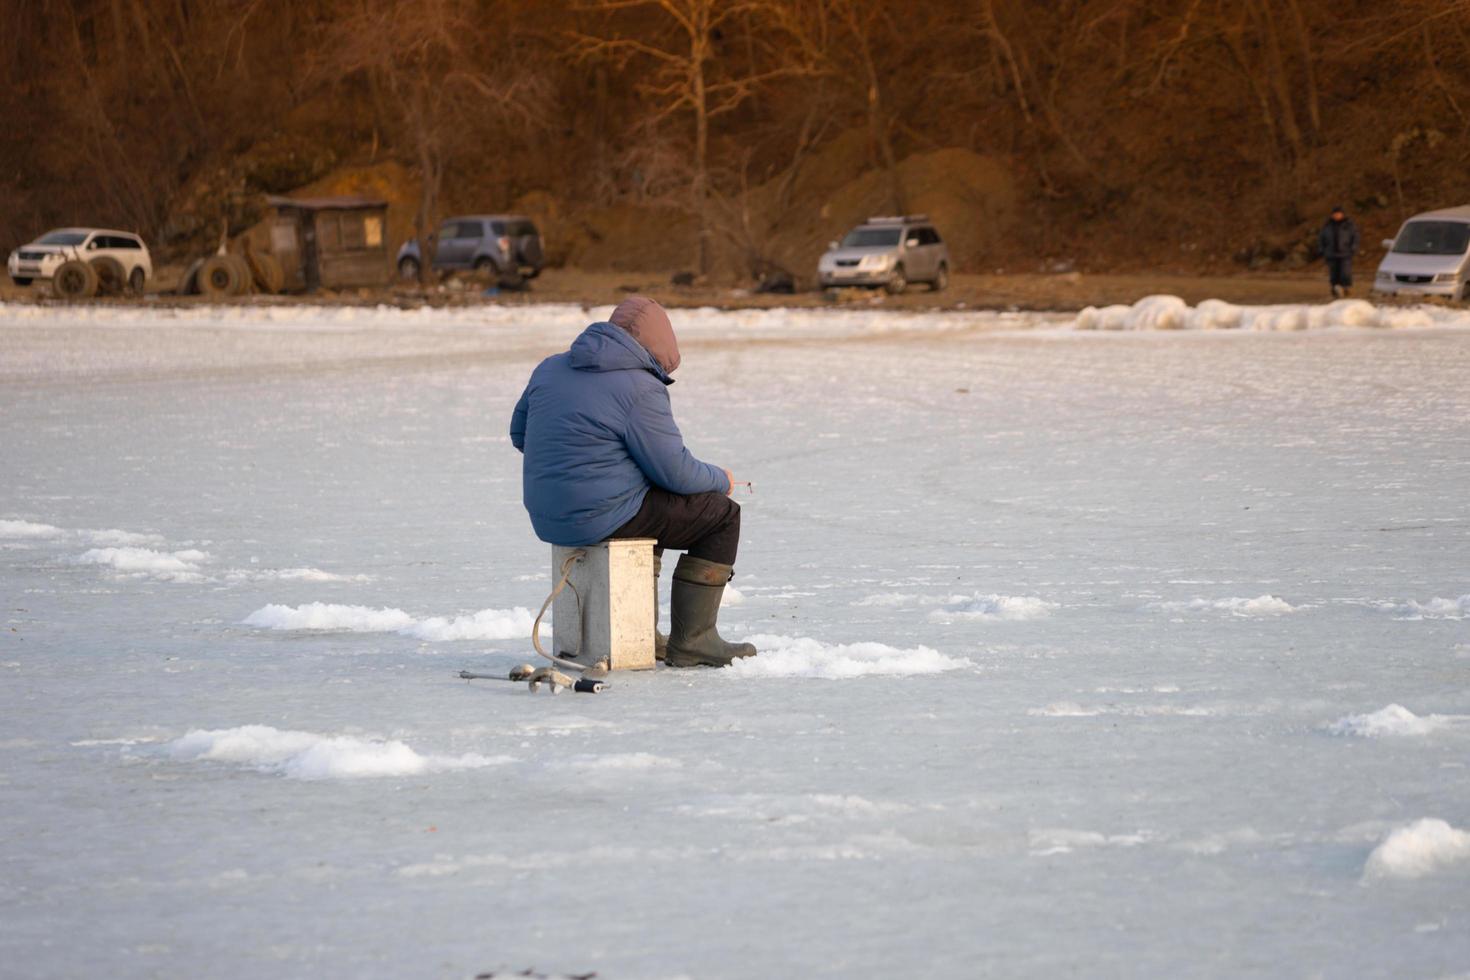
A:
887	251
507	246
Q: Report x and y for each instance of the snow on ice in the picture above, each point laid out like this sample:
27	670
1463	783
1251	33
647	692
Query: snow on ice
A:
1172	313
1261	605
977	607
169	566
307	755
992	608
1080	652
108	537
803	656
1417	849
487	624
1394	720
1436	608
27	529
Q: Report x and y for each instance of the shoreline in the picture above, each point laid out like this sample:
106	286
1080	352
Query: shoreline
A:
1007	292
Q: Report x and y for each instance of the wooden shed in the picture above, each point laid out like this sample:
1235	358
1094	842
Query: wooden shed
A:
332	242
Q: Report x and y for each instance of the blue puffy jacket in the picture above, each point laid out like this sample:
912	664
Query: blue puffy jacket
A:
597	431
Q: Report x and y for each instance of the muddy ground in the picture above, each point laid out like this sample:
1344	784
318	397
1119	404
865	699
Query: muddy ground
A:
1022	291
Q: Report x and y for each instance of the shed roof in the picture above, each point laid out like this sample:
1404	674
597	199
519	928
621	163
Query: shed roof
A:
325	203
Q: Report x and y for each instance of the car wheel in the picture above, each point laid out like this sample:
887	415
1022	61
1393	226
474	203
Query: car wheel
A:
941	279
219	277
896	283
21	280
137	281
74	279
484	268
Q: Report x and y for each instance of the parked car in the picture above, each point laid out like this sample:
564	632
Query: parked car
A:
1428	256
887	251
118	258
507	246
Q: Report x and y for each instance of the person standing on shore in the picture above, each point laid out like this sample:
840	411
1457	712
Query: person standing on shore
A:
1338	242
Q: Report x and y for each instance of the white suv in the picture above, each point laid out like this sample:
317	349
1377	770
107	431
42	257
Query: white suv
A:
112	255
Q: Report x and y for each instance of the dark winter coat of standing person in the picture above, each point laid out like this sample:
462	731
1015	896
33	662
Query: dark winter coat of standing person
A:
1338	243
604	459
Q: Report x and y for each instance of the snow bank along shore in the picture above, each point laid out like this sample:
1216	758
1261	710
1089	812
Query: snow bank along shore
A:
1172	313
540	320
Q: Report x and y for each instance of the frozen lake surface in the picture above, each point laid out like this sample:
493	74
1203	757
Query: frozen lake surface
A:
1084	654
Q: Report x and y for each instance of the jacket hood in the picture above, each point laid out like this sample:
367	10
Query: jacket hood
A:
604	346
650	326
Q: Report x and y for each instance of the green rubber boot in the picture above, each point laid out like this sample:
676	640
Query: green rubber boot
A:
693	607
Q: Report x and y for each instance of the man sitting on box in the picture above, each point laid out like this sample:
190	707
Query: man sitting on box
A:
604	459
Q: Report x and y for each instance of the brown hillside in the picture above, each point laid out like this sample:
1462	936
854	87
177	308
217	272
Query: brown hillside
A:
1187	135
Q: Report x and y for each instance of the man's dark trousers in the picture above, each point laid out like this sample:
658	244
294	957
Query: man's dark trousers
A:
705	525
1340	272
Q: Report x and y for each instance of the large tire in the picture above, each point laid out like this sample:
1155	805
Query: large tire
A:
137	281
266	270
111	278
189	285
75	279
21	280
897	282
408	269
941	279
220	277
247	281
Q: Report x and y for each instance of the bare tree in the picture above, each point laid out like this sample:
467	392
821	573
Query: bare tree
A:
427	60
861	45
688	73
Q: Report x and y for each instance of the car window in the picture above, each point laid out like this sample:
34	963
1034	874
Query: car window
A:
120	242
497	227
471	229
928	236
1433	238
62	238
871	237
520	229
449	230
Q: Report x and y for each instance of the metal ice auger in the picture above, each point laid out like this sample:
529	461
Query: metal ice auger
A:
591	681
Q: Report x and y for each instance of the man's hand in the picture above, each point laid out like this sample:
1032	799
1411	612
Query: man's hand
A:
730	479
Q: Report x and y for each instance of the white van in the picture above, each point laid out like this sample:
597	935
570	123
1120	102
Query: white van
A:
1428	257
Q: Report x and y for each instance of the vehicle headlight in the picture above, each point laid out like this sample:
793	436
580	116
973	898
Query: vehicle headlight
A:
882	261
1447	277
1385	277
